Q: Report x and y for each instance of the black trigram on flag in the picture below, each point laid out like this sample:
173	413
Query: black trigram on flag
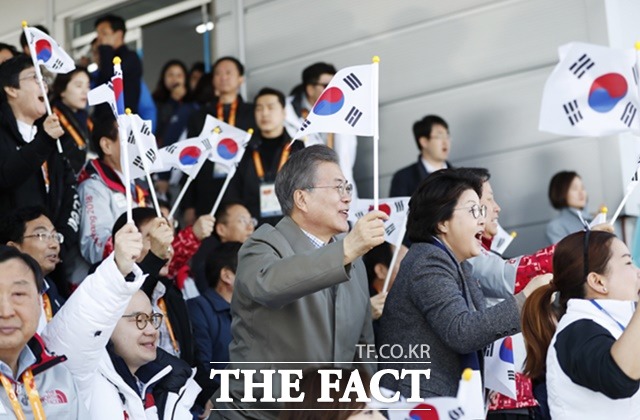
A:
145	129
573	113
306	123
635	75
151	155
353	116
137	162
629	114
511	374
390	229
581	66
171	149
352	81
488	351
399	206
359	214
57	64
206	143
131	139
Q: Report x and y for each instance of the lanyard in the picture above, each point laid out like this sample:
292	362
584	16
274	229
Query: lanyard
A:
45	175
232	112
139	192
32	392
257	161
46	303
604	311
69	128
174	342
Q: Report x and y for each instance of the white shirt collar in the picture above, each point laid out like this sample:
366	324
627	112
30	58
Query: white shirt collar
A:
430	168
27	131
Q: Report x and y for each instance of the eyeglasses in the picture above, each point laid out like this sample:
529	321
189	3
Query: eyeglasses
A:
46	237
143	319
440	137
345	190
475	210
248	222
34	77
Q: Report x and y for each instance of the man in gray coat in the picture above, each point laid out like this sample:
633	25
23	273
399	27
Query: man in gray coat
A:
301	291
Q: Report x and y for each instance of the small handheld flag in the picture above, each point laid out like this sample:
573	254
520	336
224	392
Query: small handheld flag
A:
46	51
347	105
593	91
502	240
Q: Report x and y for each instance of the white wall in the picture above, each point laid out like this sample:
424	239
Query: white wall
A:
480	64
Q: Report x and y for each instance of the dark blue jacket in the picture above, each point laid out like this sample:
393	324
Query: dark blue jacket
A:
211	320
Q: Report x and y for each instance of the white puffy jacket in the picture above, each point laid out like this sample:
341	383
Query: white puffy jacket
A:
81	330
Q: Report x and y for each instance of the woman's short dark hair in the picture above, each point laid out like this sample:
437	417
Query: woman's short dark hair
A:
62	81
434	201
559	187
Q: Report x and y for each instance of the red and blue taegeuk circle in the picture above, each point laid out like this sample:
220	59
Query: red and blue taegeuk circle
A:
506	350
227	148
329	102
606	91
43	50
424	411
189	155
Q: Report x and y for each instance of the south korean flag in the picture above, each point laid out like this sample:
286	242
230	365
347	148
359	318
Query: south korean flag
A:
348	105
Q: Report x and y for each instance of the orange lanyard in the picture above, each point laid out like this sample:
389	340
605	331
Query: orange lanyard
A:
45	175
140	196
46	302
69	128
257	161
232	112
174	342
32	392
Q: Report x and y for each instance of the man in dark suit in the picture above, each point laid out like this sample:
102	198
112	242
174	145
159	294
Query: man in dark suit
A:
300	293
432	138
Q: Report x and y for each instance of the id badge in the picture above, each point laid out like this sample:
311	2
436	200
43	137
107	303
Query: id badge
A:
269	205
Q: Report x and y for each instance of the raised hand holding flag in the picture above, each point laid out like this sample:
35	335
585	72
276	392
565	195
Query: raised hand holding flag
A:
46	51
349	105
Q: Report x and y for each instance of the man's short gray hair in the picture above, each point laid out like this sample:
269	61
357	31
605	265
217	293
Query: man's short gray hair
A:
299	172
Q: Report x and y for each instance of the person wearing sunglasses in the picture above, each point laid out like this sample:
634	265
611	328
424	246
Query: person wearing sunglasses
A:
582	331
434	299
